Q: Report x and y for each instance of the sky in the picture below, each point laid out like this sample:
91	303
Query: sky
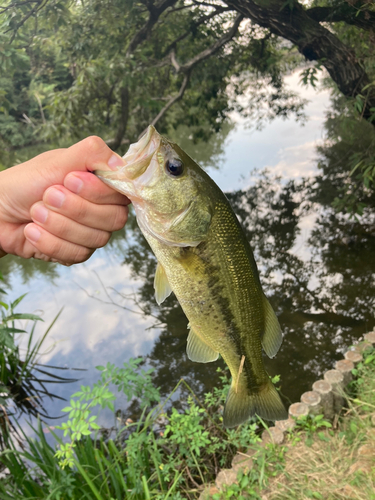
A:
284	147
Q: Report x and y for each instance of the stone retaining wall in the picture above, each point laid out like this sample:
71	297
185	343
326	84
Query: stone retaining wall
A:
326	398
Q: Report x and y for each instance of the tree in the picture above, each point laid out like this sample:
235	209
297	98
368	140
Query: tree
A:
113	67
302	27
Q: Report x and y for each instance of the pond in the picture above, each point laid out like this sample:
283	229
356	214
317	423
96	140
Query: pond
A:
317	269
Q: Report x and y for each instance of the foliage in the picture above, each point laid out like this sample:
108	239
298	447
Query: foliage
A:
267	462
338	463
165	453
64	77
22	378
82	423
169	454
347	163
311	425
174	63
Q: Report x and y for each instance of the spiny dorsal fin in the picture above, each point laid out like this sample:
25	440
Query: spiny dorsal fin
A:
197	350
161	285
272	336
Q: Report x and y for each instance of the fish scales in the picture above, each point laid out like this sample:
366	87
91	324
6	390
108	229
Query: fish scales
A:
226	313
205	259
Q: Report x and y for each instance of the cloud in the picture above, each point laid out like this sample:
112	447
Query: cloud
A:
296	161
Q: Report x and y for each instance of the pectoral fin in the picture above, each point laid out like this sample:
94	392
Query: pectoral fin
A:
161	285
272	336
197	350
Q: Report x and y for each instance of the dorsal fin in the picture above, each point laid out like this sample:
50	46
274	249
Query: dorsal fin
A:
272	336
162	287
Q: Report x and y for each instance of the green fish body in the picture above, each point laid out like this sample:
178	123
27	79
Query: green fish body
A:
204	258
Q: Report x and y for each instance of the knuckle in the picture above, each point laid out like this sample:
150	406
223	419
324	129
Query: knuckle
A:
102	239
95	143
84	254
98	238
120	218
75	254
55	248
81	211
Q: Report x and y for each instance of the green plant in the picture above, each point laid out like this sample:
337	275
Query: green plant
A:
312	425
22	378
82	423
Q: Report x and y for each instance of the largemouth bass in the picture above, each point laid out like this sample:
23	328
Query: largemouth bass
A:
205	259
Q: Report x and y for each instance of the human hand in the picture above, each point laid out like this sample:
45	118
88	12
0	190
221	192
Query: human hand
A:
53	208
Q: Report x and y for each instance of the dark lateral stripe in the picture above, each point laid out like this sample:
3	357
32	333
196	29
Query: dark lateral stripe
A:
232	330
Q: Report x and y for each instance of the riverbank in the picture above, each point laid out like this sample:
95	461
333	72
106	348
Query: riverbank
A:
170	453
319	458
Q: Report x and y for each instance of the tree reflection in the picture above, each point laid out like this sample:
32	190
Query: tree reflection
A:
320	285
322	289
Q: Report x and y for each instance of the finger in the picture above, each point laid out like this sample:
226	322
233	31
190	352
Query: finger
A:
89	187
51	167
68	229
55	248
106	217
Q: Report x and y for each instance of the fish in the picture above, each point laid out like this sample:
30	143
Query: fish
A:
205	259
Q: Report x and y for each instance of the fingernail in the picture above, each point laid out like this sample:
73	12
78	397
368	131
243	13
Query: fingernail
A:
73	183
115	161
32	233
55	198
39	213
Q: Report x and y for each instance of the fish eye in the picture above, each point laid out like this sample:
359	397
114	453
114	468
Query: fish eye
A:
174	167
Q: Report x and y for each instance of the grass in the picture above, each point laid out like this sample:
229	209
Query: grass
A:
340	463
23	379
326	464
165	454
173	454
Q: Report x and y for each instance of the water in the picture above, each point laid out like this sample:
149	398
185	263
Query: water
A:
323	299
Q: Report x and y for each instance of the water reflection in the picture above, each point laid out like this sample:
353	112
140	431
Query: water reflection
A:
316	266
324	298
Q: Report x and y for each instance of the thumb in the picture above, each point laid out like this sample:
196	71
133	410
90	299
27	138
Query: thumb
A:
90	154
51	168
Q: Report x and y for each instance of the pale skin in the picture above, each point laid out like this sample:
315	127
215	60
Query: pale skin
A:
54	209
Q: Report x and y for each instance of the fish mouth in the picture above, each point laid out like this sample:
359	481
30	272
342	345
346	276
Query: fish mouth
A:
136	161
141	150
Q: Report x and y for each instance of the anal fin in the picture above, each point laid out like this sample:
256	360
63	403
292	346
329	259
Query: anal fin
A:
198	351
162	287
272	337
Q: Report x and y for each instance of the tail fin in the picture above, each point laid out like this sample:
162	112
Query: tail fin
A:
240	405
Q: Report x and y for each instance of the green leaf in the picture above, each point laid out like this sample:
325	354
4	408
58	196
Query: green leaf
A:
33	317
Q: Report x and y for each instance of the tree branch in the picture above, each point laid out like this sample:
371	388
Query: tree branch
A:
364	19
40	4
155	12
211	50
218	10
188	67
172	101
313	41
117	141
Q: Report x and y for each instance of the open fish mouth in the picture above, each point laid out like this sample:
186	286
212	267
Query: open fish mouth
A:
137	160
139	155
